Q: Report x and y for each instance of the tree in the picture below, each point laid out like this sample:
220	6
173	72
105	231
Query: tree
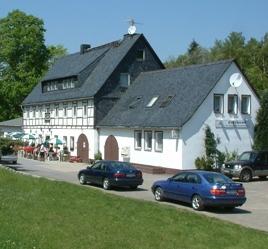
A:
55	52
24	58
261	128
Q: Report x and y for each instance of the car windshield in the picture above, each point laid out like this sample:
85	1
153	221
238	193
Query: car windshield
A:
247	156
217	178
121	165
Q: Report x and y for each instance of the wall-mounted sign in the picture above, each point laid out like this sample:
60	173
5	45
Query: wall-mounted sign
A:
239	123
125	151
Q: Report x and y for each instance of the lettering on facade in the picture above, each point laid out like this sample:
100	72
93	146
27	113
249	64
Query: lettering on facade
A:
231	123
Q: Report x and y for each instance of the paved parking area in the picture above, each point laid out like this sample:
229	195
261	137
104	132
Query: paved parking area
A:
254	213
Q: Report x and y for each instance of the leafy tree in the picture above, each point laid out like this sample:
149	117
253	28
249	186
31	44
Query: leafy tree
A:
24	58
55	52
261	128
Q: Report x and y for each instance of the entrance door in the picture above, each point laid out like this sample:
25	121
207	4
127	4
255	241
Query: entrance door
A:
111	150
83	148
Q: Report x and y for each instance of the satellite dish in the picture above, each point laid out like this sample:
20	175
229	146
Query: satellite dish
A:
236	80
132	29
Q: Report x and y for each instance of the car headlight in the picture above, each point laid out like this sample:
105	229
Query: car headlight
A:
237	166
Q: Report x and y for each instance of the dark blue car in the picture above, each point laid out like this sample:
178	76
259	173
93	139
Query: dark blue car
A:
111	173
201	189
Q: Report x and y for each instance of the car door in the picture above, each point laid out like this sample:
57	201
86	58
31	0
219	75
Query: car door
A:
265	164
259	164
96	172
191	186
175	186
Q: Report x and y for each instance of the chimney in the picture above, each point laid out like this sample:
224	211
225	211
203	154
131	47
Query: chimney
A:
84	48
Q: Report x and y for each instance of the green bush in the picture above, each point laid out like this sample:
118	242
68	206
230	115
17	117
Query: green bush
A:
98	156
7	145
204	163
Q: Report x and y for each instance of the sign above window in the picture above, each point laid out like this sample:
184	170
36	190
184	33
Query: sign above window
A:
239	123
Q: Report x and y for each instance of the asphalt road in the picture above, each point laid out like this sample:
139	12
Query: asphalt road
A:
254	213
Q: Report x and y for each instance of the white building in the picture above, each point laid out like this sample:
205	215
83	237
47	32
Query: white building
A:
160	120
81	88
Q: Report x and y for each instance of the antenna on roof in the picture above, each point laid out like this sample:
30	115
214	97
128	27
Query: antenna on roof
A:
132	27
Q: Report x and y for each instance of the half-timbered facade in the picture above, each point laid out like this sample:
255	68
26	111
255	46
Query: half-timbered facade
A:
80	89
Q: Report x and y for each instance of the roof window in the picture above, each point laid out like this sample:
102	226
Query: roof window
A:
166	101
134	103
152	101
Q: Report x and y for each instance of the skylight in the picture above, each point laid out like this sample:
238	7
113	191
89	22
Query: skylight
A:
135	102
152	101
166	101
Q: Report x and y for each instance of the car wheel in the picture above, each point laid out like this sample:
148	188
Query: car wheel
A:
245	175
82	179
197	203
159	194
14	162
133	187
106	184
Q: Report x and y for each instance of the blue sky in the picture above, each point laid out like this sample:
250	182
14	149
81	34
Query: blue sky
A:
168	25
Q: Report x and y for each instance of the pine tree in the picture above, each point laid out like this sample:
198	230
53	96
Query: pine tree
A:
261	128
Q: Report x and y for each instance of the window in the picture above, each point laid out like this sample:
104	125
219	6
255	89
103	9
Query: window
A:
72	143
27	113
65	140
245	104
40	112
134	103
137	140
152	101
148	140
218	103
232	104
33	112
166	101
158	141
75	110
65	111
181	177
85	110
124	79
141	55
56	111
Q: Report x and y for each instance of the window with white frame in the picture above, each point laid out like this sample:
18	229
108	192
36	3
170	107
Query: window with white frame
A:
245	104
124	79
148	136
33	112
158	141
65	140
71	143
232	104
218	103
137	139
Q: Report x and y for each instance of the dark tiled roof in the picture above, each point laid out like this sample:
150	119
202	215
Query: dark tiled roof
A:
101	61
189	86
16	122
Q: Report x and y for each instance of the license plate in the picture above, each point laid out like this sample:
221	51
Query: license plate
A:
131	175
231	192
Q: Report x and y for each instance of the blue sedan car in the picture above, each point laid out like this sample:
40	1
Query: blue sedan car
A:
201	189
111	173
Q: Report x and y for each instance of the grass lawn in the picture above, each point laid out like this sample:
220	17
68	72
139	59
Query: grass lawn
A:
38	213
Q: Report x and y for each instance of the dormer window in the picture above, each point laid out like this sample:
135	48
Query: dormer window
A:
59	84
152	101
141	55
124	79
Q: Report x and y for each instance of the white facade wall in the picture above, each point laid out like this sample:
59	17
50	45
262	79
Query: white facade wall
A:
181	153
170	157
69	125
231	139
